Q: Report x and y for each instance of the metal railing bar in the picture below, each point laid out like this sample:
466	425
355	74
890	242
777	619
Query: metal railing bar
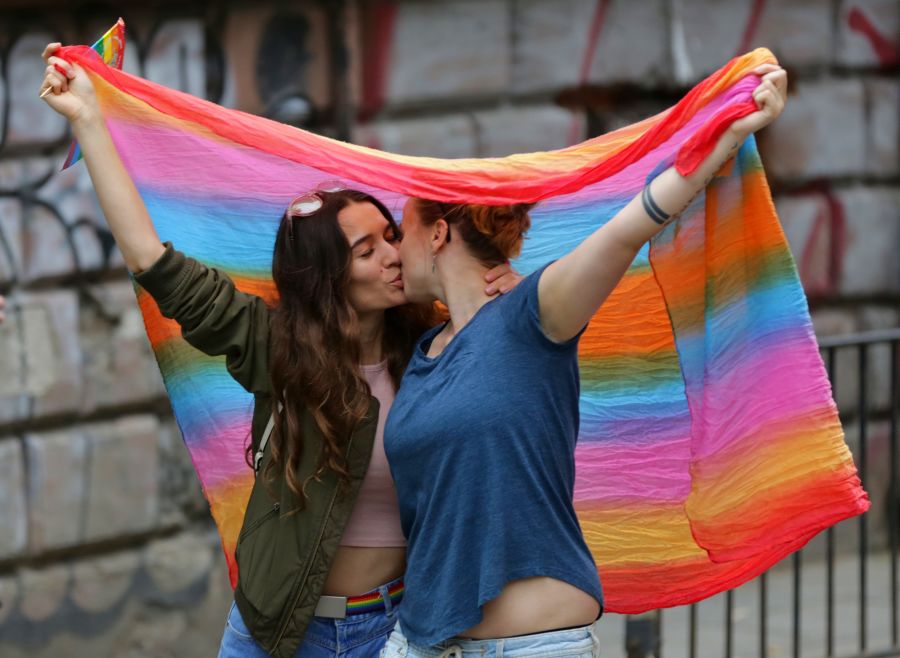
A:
763	622
863	463
892	486
861	338
729	624
795	640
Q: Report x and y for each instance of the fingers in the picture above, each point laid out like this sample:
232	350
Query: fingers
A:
54	81
57	75
50	49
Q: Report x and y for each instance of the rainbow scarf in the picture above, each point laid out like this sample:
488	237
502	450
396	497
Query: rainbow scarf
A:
710	446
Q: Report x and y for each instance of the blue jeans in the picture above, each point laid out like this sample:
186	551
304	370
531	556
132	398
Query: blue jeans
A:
355	636
571	643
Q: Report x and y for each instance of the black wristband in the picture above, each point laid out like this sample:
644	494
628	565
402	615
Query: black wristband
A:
652	209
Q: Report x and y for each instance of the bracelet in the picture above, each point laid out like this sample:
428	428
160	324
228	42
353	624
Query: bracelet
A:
652	209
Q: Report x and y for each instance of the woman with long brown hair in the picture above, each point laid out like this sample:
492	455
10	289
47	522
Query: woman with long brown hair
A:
321	551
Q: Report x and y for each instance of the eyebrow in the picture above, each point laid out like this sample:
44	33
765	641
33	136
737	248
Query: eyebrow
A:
360	241
369	236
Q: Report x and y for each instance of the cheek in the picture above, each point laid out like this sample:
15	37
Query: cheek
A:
410	254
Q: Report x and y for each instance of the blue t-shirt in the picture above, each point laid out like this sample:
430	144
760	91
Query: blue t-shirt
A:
481	443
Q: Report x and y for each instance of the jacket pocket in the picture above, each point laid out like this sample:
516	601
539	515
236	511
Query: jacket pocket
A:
257	523
271	559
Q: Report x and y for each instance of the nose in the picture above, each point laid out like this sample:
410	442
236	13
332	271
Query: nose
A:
391	256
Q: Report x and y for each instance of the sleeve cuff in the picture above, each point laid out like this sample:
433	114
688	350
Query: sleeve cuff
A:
164	277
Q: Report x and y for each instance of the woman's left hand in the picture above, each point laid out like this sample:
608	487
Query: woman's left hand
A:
770	96
501	279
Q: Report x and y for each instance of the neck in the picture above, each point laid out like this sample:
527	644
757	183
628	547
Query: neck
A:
462	287
371	331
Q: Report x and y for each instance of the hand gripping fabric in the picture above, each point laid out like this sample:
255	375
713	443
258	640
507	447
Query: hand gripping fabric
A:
710	446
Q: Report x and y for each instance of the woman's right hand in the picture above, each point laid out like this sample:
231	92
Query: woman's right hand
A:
71	93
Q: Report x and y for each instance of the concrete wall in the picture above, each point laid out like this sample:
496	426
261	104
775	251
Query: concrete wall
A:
105	543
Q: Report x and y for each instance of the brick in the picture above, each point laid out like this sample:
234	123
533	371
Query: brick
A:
869	33
708	33
175	57
552	42
810	229
43	591
101	584
177	562
47	252
822	132
52	351
11	242
441	137
525	130
884	133
118	364
71	194
9	594
29	171
123	492
41	362
870	263
448	49
180	495
57	469
13	394
31	121
14	537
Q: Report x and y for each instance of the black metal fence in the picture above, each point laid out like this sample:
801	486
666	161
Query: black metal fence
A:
821	600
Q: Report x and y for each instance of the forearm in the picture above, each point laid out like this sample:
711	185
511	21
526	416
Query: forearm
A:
120	201
572	289
672	193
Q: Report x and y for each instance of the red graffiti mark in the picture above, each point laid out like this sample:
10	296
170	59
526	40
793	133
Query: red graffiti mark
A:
752	26
888	53
593	42
593	39
832	222
379	19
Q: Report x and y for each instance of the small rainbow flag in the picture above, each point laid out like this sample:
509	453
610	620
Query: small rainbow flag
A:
111	48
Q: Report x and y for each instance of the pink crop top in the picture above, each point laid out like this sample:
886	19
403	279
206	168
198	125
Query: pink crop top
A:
375	520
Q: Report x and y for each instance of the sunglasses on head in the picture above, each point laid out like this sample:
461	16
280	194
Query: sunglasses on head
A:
309	203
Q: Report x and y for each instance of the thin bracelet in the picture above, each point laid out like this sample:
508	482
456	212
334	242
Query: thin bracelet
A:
652	209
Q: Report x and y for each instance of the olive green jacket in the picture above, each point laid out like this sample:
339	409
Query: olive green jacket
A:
283	555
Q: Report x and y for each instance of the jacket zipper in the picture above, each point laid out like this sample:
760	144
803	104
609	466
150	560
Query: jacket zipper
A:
311	560
253	526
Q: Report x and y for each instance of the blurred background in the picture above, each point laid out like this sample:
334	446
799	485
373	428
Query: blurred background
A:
106	546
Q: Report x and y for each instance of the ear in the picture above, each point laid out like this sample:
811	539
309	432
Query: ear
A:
439	231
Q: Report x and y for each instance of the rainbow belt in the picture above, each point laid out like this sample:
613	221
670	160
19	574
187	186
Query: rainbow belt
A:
371	602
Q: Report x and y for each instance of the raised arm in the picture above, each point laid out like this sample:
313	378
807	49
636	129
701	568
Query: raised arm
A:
215	317
72	95
574	287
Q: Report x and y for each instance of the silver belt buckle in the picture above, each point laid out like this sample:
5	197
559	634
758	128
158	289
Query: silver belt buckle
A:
333	607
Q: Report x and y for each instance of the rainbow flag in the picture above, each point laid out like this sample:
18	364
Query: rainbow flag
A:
710	446
111	48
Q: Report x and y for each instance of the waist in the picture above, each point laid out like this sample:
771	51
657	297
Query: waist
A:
357	569
534	605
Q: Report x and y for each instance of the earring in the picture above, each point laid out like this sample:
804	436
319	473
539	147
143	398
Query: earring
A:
433	262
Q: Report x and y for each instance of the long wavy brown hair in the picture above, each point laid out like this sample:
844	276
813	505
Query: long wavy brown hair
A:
314	344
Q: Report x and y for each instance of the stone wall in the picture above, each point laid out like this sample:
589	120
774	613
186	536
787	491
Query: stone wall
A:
105	543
